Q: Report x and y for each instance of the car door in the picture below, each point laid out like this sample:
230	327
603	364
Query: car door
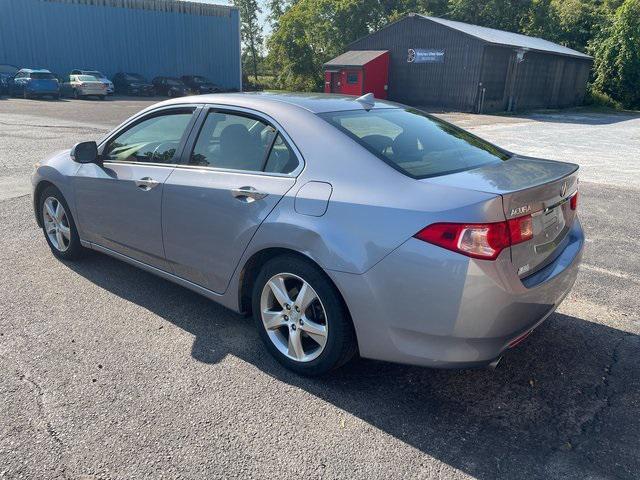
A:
119	202
238	165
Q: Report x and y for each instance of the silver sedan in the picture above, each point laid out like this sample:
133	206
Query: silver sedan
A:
344	226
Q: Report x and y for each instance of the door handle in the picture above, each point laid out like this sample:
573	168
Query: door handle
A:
247	194
146	183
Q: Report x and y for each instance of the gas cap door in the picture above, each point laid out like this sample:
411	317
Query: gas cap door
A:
313	198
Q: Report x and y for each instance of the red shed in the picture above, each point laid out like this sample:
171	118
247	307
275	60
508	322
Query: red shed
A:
358	72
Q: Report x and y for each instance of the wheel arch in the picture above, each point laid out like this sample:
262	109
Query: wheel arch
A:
252	266
42	184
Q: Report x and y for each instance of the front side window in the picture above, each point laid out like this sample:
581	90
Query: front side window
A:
233	141
415	143
153	140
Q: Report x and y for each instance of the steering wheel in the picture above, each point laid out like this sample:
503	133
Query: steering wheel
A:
154	155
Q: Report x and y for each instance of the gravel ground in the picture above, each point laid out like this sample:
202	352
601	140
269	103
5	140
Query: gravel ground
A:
109	372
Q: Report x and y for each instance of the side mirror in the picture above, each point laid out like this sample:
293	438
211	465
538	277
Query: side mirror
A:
85	152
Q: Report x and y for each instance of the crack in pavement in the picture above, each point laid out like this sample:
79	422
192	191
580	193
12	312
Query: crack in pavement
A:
604	394
60	446
71	127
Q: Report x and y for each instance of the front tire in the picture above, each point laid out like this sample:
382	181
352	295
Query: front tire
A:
301	317
58	225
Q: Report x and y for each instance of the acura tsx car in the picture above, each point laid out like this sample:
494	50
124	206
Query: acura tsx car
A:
343	225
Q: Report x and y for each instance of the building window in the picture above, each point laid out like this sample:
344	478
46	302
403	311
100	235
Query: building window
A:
352	78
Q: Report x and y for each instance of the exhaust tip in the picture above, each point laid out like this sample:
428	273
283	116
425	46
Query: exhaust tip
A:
493	365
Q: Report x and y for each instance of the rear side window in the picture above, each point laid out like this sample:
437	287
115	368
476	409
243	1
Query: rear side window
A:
415	143
240	142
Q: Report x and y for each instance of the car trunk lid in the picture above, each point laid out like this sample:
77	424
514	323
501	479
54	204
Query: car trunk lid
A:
528	186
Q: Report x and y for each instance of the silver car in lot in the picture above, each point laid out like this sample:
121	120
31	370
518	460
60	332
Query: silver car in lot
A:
343	225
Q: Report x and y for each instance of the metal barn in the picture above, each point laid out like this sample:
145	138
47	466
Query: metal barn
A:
443	64
149	37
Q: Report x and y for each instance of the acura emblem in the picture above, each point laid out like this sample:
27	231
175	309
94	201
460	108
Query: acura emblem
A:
563	190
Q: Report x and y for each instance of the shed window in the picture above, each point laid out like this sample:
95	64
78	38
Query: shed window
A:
352	78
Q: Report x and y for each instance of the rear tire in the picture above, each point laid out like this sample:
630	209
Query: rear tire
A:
76	95
60	232
326	317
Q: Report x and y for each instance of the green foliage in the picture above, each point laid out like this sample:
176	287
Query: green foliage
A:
251	32
617	54
312	32
595	98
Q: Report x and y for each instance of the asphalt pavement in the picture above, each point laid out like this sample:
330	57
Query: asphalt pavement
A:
109	372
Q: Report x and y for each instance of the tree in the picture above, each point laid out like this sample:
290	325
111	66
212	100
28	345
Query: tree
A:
617	56
311	32
251	30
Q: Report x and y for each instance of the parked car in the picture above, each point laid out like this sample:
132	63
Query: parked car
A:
35	82
433	247
199	84
82	86
7	72
132	84
170	87
99	75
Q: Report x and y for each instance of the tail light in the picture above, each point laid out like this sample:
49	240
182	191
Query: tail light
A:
574	201
478	240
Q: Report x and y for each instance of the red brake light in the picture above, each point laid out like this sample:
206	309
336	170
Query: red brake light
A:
478	240
574	201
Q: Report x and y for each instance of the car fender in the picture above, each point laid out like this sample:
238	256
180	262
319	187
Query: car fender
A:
58	170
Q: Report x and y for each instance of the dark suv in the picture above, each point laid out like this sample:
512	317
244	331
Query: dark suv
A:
132	84
199	84
170	87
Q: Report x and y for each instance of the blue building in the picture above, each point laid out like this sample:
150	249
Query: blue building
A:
149	37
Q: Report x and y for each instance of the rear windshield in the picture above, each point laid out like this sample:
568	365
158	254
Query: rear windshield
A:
42	76
415	143
95	73
87	78
134	77
175	82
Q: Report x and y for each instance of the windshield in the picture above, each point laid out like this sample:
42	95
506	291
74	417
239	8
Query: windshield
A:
95	73
42	76
134	77
87	78
174	82
197	79
415	143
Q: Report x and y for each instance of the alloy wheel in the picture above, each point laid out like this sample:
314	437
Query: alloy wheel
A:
294	317
56	224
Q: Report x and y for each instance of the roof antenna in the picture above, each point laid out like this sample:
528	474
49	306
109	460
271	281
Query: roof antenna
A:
368	101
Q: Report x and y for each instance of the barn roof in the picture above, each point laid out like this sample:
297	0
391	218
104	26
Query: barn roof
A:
355	58
501	37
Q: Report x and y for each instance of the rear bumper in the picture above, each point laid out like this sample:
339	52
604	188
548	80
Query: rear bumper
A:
424	305
92	91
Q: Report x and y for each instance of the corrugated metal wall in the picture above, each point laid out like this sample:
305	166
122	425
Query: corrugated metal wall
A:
150	37
551	81
452	84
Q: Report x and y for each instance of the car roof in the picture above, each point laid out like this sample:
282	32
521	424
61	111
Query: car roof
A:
313	102
34	70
